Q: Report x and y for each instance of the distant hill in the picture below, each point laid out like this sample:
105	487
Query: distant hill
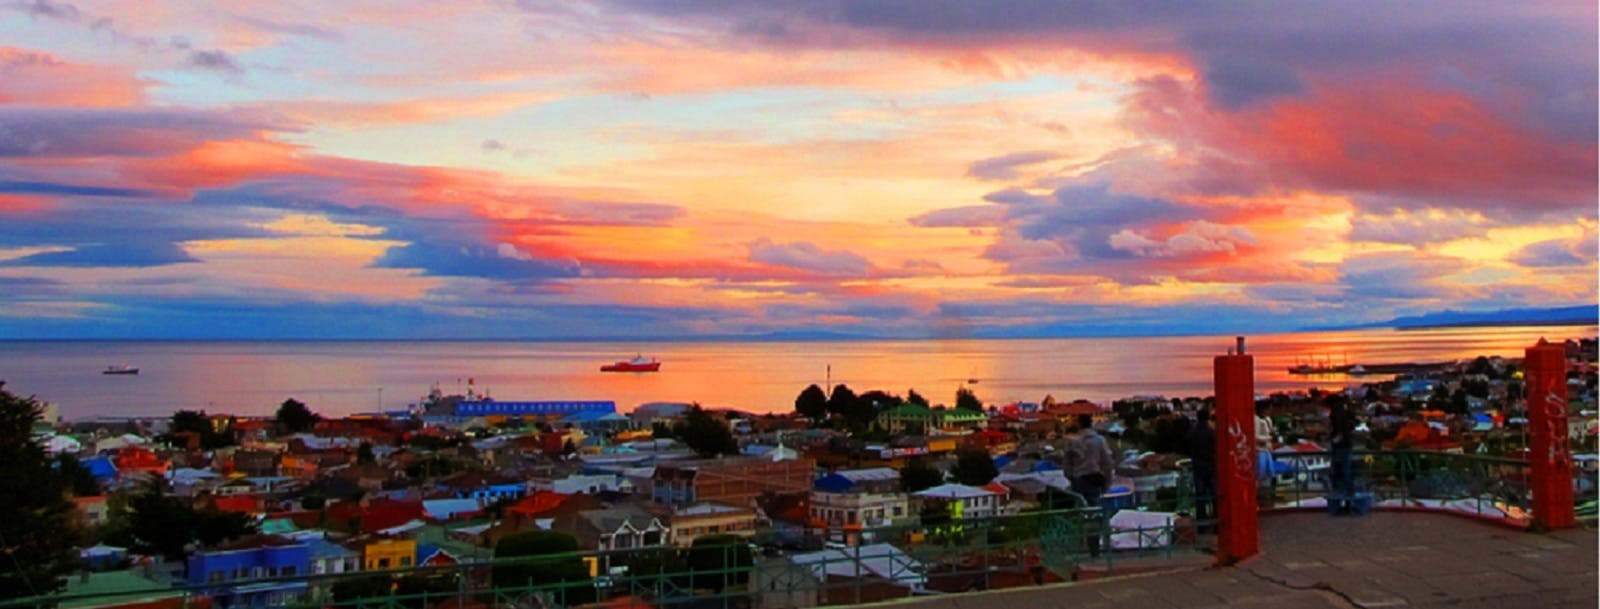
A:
1558	316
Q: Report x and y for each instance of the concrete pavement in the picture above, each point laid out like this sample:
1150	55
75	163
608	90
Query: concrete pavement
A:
1312	560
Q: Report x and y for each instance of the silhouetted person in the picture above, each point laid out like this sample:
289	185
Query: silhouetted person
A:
1341	439
1090	465
1201	447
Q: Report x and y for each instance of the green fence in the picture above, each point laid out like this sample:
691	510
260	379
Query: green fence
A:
1474	485
937	554
772	569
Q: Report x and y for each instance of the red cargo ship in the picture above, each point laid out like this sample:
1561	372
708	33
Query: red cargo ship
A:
638	364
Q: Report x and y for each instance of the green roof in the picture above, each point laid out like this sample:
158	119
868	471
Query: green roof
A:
908	411
114	588
962	414
277	526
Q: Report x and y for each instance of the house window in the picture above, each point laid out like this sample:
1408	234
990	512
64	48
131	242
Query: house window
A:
287	572
383	563
216	577
899	511
405	561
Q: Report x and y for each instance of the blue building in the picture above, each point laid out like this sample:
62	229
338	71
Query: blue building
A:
484	408
244	573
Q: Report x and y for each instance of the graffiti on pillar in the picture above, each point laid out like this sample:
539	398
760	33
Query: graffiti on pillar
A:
1557	451
1243	453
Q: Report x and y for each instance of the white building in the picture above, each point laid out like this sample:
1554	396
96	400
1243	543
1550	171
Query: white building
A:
586	484
859	499
975	501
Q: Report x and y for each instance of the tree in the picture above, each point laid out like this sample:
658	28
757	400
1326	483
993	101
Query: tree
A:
974	467
720	560
842	400
705	434
295	417
918	475
192	421
364	454
812	403
916	398
155	523
77	477
37	529
965	398
560	563
199	424
878	398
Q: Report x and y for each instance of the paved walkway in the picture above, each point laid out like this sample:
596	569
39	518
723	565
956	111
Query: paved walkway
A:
1387	559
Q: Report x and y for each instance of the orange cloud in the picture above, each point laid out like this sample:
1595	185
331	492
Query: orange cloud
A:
218	163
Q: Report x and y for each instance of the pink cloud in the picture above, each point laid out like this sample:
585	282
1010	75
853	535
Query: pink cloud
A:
37	78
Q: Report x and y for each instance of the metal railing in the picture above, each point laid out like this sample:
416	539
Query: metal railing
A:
935	554
939	555
1481	486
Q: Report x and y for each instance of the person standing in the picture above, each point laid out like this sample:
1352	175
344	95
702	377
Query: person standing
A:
1341	438
1264	430
1201	447
1089	465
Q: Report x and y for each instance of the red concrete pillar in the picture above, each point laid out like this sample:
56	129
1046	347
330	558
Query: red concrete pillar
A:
1238	535
1549	456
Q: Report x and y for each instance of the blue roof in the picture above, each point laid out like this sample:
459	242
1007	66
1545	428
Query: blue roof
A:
833	483
322	548
1003	460
101	467
1044	466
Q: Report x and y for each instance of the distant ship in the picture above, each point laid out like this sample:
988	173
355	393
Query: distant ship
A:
639	363
123	369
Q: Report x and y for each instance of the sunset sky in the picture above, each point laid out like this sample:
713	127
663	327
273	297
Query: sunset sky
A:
657	168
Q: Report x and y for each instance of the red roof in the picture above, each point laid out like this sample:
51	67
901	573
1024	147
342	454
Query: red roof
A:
244	504
996	488
537	503
377	515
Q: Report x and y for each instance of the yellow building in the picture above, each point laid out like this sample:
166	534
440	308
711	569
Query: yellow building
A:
389	554
711	519
941	444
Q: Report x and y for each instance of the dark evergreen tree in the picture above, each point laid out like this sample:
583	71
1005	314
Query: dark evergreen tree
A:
198	423
812	403
295	417
913	397
918	475
156	523
37	529
77	477
880	399
968	400
705	434
974	467
842	401
560	570
719	561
